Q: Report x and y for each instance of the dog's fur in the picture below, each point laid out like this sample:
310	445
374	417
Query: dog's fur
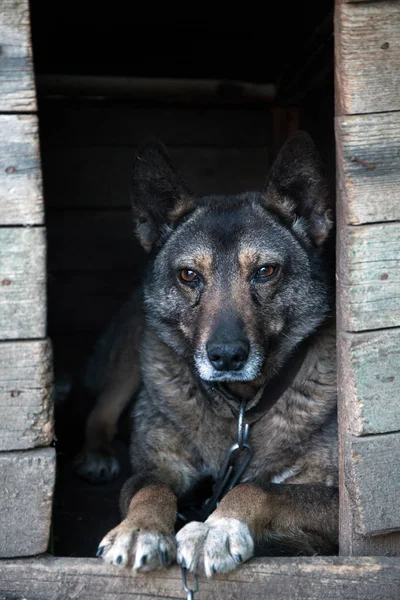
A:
182	425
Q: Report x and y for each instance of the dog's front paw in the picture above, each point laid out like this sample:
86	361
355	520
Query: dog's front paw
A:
216	546
96	467
128	546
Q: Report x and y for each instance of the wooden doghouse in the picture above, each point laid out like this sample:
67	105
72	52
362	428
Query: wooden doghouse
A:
223	137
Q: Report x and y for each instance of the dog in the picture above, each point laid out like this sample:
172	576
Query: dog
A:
236	310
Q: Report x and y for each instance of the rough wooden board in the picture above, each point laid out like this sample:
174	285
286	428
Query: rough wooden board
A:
367	57
86	301
369	381
368	274
368	149
372	475
92	240
17	86
26	492
101	176
21	201
26	402
353	543
120	124
331	578
22	283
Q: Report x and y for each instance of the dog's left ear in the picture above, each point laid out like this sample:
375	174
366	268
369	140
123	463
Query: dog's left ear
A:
159	194
297	188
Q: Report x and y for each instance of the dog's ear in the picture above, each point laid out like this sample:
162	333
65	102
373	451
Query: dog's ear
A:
159	195
297	190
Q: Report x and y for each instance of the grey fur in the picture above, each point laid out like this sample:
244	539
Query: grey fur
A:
180	432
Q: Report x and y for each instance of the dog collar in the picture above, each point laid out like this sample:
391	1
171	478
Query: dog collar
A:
272	391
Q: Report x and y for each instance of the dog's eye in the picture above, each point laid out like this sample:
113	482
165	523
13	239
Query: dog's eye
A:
266	272
188	276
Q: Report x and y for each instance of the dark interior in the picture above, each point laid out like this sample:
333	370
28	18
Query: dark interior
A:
97	95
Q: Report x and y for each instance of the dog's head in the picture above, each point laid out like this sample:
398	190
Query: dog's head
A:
235	281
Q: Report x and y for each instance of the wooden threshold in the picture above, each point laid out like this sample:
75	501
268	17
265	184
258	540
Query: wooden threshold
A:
330	578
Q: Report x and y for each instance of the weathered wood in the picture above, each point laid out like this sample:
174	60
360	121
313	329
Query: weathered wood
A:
26	403
97	177
372	475
22	283
17	86
21	201
87	301
369	382
332	578
368	274
351	542
26	492
120	124
369	165
367	57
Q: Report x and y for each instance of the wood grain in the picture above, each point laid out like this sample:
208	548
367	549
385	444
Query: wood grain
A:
26	403
333	578
17	86
22	283
369	381
369	165
367	57
26	492
21	201
372	475
101	176
368	274
123	124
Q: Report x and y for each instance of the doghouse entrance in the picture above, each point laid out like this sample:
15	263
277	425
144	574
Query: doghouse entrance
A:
103	88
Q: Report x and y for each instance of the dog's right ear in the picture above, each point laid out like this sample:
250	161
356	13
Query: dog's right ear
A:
159	194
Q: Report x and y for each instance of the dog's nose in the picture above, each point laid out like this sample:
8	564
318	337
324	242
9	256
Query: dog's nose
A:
228	357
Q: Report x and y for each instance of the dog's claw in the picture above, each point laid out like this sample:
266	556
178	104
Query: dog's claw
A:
183	563
238	558
164	557
213	569
118	560
100	551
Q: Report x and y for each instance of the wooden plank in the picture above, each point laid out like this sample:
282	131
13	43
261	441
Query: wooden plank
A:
368	378
351	542
368	276
123	124
86	301
101	176
22	283
26	403
17	86
26	492
369	165
21	201
372	474
367	57
332	578
92	240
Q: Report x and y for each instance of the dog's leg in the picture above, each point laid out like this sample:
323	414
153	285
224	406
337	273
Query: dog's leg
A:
306	515
96	462
145	539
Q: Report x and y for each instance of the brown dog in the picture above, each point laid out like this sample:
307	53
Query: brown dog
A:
237	302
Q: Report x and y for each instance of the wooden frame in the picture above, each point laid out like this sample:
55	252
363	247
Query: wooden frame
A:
368	135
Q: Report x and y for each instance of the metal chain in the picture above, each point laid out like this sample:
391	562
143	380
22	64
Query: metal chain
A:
229	475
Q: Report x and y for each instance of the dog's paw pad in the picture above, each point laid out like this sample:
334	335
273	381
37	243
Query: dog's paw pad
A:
97	467
126	546
216	546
